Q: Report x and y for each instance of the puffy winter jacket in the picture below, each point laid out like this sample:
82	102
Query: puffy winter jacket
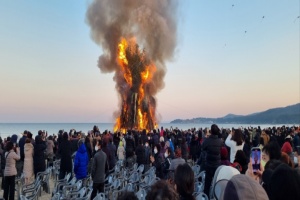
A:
81	162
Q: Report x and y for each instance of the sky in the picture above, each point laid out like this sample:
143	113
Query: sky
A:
232	56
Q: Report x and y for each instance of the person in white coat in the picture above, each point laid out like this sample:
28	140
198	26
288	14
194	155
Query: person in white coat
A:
10	170
235	142
28	161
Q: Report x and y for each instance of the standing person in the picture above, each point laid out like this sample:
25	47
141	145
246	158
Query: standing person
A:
10	171
66	156
211	148
184	149
28	161
157	161
121	152
140	153
39	155
21	145
235	142
99	169
81	161
147	156
195	147
49	150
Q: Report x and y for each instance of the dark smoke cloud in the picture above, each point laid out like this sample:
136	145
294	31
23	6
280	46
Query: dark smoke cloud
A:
152	22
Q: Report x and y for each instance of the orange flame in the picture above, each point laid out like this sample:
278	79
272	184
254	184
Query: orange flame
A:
137	110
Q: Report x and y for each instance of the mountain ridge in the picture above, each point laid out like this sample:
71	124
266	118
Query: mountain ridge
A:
280	115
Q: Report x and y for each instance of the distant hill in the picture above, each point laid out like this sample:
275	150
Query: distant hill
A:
286	115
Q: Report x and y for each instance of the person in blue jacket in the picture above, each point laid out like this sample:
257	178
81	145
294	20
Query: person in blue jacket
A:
81	161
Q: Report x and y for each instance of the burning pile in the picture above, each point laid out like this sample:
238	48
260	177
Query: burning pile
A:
137	37
138	105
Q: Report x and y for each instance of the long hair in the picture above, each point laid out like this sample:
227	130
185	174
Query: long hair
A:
238	137
184	180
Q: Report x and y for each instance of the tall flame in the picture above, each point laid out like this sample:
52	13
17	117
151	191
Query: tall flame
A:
138	106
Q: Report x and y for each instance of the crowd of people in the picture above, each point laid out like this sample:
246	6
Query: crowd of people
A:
171	151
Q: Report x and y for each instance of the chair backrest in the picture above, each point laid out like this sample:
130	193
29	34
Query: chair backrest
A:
140	169
201	196
141	194
100	196
56	196
219	188
128	187
82	192
222	172
196	169
22	197
199	187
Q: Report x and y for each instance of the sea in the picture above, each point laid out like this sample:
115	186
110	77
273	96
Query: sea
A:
8	129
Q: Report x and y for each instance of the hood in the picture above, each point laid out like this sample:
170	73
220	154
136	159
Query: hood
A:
226	172
243	187
82	148
38	139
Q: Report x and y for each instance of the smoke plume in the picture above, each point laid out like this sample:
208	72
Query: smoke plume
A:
151	22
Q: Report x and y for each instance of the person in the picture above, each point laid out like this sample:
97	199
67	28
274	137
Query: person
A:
224	156
266	137
211	148
177	160
28	161
241	162
81	161
121	151
131	160
99	169
49	150
157	161
241	187
140	153
285	158
287	147
167	163
162	190
65	155
21	145
271	151
283	186
184	182
130	144
195	147
235	142
147	156
10	171
39	155
184	149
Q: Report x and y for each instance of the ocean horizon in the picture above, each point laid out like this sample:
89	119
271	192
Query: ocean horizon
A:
8	129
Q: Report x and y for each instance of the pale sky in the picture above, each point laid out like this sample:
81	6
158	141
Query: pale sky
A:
236	59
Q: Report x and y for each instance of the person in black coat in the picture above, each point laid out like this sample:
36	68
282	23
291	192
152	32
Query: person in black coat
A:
144	137
157	161
66	156
211	147
195	148
130	145
140	153
39	155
